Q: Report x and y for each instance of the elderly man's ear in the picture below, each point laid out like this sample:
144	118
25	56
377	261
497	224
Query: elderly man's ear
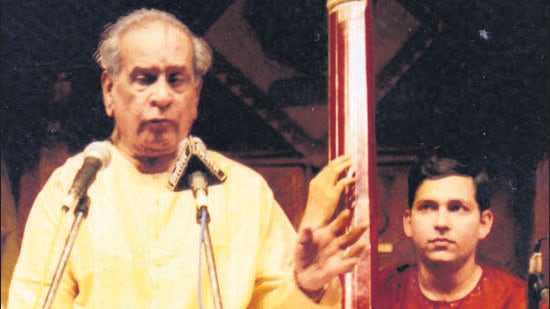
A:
106	89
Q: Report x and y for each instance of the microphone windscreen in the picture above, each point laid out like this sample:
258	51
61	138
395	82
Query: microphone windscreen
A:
192	157
99	151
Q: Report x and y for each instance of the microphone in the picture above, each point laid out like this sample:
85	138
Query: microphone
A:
199	186
96	157
192	157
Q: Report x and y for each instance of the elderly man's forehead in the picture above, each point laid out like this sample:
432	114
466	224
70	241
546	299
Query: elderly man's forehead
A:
148	31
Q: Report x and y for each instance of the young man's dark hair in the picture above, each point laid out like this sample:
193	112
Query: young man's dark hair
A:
435	164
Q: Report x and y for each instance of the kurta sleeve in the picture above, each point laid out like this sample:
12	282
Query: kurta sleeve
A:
10	233
275	286
36	254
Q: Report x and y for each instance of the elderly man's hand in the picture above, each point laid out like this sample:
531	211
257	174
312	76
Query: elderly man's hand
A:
324	192
326	252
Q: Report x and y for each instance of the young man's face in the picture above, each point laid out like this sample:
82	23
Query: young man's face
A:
445	223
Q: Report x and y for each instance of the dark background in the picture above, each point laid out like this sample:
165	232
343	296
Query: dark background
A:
479	88
470	77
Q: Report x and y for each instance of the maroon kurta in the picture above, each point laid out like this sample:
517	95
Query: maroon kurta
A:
496	289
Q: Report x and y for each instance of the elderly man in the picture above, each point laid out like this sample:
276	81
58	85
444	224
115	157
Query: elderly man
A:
139	245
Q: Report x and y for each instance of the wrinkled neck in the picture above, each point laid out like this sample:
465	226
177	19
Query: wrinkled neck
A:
146	164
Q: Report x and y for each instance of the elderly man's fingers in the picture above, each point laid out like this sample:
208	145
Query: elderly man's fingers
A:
333	170
349	264
345	265
306	248
352	236
355	250
340	163
344	182
305	236
337	167
338	226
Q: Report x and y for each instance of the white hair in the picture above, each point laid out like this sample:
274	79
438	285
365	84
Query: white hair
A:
107	54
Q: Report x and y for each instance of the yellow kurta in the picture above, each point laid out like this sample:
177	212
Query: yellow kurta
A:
139	245
10	233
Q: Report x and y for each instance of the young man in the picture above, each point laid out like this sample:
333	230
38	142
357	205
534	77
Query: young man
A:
447	217
139	244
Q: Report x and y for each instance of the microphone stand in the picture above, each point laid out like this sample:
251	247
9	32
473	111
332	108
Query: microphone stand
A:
204	218
537	289
81	211
192	161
